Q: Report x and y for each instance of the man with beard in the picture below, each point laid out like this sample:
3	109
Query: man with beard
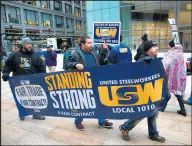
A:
24	62
83	57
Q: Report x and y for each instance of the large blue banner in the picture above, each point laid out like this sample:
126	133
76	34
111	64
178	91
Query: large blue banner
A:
123	91
108	32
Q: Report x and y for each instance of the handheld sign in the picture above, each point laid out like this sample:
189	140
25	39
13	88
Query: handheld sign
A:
174	31
106	32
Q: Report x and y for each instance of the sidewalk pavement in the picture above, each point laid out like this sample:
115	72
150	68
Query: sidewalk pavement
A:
61	131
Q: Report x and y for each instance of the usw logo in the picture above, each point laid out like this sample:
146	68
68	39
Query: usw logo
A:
131	95
106	32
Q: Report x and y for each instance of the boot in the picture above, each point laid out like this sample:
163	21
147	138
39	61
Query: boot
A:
181	104
39	117
182	112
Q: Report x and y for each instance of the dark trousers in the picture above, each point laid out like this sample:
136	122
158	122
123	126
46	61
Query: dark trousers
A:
180	100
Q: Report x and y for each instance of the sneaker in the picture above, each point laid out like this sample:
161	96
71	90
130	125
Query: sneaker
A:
124	134
106	124
182	112
39	117
80	127
159	139
22	118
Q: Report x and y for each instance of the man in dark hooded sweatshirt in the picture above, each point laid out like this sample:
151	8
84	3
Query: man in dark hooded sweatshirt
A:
24	62
151	50
140	50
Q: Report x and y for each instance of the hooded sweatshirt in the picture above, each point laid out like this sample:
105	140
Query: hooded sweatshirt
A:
24	63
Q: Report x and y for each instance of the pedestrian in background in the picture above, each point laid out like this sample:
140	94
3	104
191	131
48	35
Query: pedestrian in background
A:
51	59
103	52
66	55
140	49
13	50
175	68
120	54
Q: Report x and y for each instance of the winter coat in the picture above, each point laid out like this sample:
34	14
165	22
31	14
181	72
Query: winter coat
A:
120	54
143	57
78	57
140	51
51	58
175	68
66	59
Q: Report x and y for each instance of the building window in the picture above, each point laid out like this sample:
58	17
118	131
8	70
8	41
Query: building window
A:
13	14
84	3
78	25
77	12
30	2
3	13
69	22
68	9
85	26
46	20
59	21
45	4
77	2
31	17
84	14
58	6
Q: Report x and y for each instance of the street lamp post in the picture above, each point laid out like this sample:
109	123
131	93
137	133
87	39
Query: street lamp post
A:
11	27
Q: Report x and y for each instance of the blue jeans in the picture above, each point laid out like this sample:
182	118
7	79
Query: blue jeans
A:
152	126
79	120
62	52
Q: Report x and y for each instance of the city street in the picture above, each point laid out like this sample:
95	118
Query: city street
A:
61	131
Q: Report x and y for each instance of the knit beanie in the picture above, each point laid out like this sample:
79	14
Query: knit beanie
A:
144	37
148	45
26	40
171	43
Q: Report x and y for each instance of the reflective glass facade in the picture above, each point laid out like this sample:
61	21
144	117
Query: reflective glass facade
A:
140	17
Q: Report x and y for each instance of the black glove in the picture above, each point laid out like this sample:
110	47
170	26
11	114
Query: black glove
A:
5	77
148	59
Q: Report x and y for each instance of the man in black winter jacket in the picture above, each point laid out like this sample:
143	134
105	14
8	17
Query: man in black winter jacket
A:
151	50
84	56
24	62
140	50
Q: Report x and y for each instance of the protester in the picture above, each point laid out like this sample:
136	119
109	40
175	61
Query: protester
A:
51	59
83	57
13	50
140	50
66	55
120	54
24	62
151	50
3	54
103	50
174	64
3	57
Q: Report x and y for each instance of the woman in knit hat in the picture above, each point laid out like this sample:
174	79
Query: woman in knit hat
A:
175	68
140	50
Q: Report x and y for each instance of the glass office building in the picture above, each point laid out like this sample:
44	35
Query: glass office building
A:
140	17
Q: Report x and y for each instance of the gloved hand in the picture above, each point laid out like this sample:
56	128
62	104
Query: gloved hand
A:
148	59
5	77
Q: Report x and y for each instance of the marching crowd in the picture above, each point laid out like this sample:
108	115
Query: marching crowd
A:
25	62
